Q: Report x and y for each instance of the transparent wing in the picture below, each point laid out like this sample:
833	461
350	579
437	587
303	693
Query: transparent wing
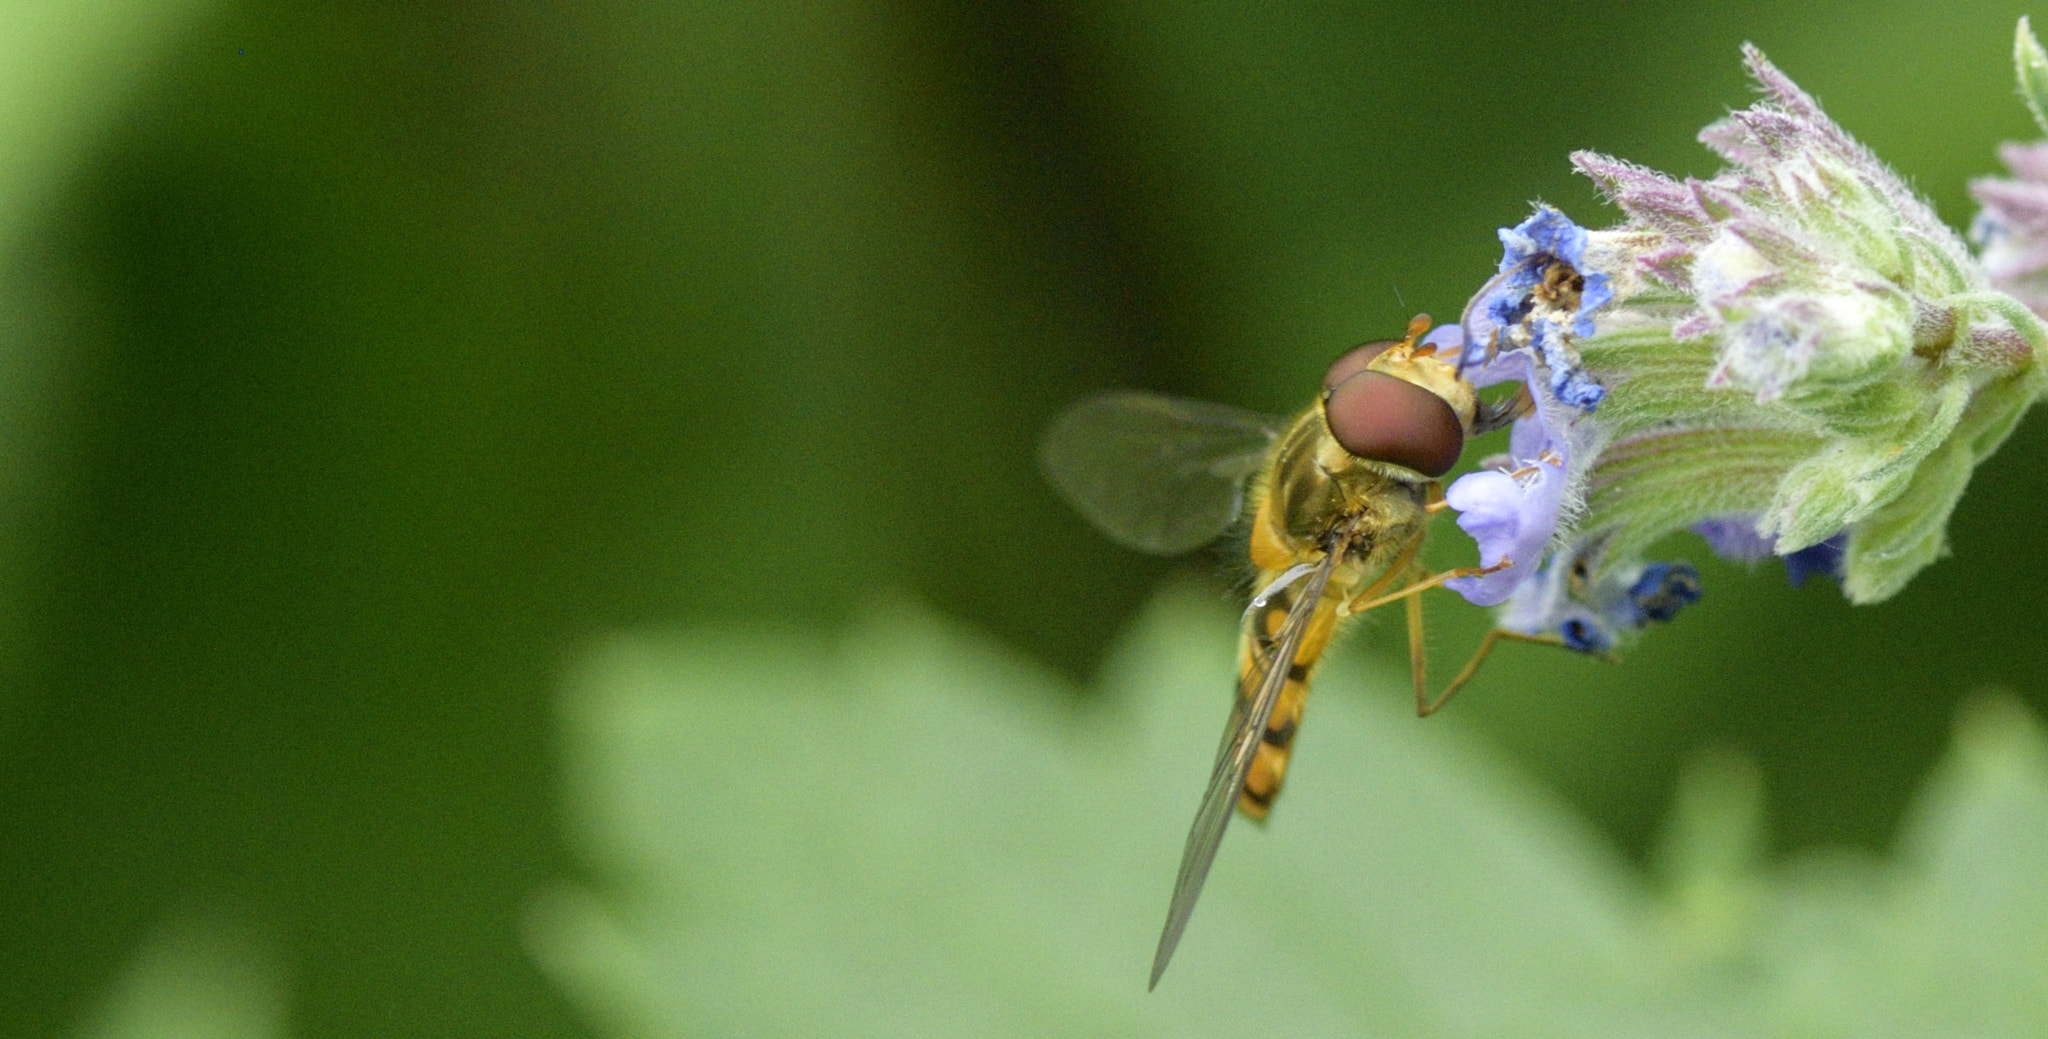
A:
1159	474
1240	743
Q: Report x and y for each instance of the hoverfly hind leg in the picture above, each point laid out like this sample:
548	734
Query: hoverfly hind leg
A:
1424	706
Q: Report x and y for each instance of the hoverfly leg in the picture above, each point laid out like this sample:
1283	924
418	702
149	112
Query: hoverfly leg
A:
1358	606
1424	707
1433	498
1418	659
1397	570
1502	414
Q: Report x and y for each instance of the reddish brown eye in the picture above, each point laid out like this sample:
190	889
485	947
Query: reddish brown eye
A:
1377	416
1354	361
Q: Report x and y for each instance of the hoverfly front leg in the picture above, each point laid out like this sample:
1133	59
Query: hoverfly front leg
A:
1400	568
1427	583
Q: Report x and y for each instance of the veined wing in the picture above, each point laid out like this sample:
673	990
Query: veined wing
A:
1159	474
1234	761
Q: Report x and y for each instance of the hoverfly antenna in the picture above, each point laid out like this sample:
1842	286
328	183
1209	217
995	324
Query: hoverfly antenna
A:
1418	326
1355	360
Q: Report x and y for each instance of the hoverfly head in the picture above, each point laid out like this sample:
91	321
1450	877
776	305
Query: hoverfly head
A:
1395	401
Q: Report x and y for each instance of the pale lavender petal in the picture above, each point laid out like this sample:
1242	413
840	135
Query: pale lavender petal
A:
1734	538
1512	517
1448	339
2027	161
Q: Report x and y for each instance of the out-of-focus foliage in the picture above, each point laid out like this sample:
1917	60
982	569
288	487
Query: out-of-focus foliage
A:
197	978
71	68
381	356
905	831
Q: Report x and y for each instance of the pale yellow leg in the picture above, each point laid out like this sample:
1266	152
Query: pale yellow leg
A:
1423	585
1424	707
1433	498
1418	658
1398	570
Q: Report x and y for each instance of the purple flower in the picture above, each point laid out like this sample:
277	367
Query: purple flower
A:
1512	515
1542	299
1591	615
1511	508
1735	539
1824	559
1520	327
1785	351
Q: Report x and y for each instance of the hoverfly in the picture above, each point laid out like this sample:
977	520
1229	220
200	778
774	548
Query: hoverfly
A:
1340	498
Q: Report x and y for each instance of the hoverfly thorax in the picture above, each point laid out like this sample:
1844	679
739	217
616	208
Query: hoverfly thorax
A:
1315	483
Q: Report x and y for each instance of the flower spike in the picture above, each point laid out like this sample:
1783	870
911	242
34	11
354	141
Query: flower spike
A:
1794	357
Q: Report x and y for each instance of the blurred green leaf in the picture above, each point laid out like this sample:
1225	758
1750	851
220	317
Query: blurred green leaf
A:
69	68
196	978
882	835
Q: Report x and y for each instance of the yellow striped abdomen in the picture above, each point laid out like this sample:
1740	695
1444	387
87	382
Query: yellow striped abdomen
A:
1255	652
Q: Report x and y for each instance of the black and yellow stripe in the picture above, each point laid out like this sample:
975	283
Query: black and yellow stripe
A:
1269	765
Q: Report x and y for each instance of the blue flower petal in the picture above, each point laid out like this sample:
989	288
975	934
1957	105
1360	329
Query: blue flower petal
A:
1510	336
1663	590
1585	635
1598	292
1824	559
1507	317
1592	619
1568	381
1546	232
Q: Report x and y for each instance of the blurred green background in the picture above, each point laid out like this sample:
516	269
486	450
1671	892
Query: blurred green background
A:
361	364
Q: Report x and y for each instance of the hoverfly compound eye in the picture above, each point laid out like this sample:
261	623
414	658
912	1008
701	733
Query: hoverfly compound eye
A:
1385	418
1354	361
